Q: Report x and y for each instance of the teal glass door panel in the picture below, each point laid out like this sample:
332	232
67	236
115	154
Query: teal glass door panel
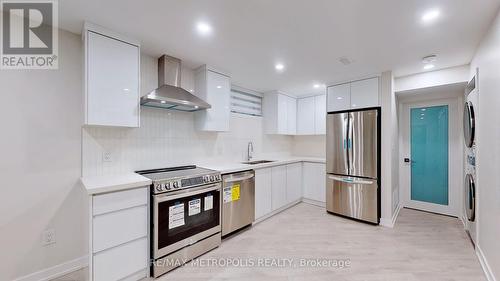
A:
429	153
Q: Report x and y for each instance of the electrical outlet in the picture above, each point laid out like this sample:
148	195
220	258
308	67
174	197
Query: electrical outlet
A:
49	237
107	156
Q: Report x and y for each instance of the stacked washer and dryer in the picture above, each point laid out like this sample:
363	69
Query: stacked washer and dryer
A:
470	133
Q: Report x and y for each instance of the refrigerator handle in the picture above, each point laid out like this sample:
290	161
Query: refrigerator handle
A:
350	180
346	142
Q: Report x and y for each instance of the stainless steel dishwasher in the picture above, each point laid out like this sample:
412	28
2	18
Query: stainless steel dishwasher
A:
238	202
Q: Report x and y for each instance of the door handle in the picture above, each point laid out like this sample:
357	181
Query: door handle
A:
351	180
238	178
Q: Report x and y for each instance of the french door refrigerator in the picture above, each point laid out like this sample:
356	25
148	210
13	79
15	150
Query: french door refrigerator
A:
353	164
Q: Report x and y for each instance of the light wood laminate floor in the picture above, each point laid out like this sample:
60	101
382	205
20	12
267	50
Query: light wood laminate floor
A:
421	246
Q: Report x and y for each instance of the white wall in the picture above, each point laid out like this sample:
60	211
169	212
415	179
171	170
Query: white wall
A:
310	146
390	150
452	75
487	59
169	138
41	163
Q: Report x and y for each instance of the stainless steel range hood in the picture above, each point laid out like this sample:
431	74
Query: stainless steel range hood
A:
169	94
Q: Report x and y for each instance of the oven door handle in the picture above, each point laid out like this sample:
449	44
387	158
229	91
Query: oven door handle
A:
185	193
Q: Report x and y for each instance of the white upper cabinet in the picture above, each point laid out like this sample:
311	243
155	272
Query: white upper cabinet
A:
214	88
306	116
364	93
358	94
280	114
320	115
291	116
311	115
112	71
339	97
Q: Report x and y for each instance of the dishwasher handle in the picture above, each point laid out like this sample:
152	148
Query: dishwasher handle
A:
238	178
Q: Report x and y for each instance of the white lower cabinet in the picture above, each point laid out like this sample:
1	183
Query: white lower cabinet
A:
313	180
293	182
119	235
278	175
263	182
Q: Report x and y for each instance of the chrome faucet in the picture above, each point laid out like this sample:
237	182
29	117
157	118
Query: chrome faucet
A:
250	151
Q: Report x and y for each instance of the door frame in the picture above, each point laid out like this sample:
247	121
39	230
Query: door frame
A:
455	158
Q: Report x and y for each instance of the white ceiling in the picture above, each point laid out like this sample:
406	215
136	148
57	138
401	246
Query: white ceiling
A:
308	36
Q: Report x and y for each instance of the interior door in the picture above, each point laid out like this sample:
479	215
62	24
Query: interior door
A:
336	143
363	143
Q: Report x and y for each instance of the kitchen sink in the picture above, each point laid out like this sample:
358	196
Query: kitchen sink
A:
257	162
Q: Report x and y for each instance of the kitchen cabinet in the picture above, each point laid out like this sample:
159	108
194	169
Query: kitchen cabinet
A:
357	94
339	97
320	115
278	187
119	228
263	183
306	114
111	83
280	114
364	93
293	182
214	88
311	115
313	181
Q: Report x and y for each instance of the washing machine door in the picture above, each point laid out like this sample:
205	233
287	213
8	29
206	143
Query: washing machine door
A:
470	197
469	124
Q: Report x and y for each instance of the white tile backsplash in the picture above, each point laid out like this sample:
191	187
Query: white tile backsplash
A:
168	138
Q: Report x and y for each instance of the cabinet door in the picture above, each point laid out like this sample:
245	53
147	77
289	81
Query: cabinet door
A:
278	187
320	114
218	96
282	116
339	97
306	116
263	192
112	84
364	93
293	182
291	116
314	176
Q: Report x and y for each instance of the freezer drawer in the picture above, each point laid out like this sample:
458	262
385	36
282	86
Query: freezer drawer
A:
352	197
238	204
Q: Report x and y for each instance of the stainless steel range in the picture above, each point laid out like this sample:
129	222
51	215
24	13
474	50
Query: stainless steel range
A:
185	215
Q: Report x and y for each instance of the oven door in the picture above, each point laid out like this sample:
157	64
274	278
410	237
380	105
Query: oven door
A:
184	217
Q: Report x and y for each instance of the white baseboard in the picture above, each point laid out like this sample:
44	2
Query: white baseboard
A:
391	222
484	264
263	218
314	202
56	271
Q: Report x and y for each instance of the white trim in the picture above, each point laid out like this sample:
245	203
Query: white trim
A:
56	271
484	264
314	202
455	166
390	223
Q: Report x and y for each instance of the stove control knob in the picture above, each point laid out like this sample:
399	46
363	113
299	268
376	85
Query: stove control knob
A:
158	187
167	186
217	177
176	184
212	178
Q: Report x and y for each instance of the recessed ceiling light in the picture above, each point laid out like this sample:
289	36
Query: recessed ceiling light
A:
428	66
279	67
218	87
339	98
316	86
204	28
430	15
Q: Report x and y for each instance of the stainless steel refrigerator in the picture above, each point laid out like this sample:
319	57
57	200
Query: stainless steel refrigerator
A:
353	164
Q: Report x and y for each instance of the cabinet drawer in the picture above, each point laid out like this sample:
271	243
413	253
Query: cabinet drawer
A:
122	261
116	228
119	200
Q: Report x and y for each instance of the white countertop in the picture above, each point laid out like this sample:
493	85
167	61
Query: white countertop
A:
111	183
226	167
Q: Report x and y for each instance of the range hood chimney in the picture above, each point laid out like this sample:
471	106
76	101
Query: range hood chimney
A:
169	94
